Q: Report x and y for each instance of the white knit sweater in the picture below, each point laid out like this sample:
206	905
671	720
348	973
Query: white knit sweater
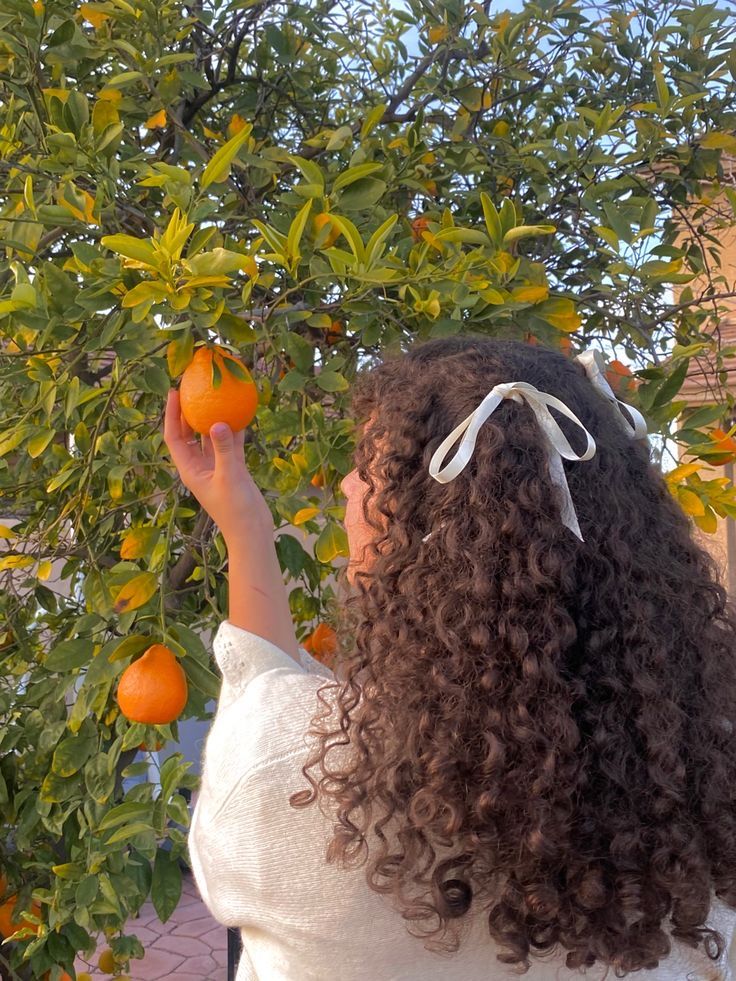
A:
260	863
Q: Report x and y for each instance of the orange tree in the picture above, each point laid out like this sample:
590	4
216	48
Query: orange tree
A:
307	185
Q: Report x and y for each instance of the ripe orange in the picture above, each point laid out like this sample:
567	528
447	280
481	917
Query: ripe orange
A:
153	689
318	480
233	401
565	345
64	976
418	226
322	644
333	334
619	376
333	235
8	924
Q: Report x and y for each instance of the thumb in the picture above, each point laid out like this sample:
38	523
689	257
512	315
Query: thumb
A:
222	439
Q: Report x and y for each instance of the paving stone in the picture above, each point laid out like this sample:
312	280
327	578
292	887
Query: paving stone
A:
157	964
203	966
146	936
199	928
214	938
187	946
194	911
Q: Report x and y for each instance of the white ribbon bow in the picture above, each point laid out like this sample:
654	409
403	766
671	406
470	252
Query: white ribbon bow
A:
557	443
595	366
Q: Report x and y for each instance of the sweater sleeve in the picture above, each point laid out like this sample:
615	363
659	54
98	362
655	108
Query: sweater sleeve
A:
265	702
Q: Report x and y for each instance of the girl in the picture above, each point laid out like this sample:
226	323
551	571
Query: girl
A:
524	761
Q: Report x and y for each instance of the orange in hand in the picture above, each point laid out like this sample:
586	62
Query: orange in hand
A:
234	399
153	689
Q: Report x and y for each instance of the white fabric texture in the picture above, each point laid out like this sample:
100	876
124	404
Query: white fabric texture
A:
260	864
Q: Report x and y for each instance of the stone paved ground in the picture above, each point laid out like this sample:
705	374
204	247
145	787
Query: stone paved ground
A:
190	946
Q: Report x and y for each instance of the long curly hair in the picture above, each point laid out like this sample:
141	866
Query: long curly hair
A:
553	715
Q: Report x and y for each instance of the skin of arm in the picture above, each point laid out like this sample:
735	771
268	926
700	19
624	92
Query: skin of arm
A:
216	473
257	598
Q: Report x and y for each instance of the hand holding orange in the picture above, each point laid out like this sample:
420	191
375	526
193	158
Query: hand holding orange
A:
215	472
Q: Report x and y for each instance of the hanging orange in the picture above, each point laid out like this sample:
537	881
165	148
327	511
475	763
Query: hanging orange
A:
8	924
322	219
153	689
234	400
419	225
322	644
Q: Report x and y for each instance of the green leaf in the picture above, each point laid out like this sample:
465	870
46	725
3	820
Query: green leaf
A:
493	222
69	655
124	813
352	235
296	230
201	677
179	353
130	647
300	351
72	753
275	239
145	292
291	555
131	248
332	381
309	169
672	385
332	542
373	118
99	777
527	231
38	444
218	169
128	831
704	416
115	477
353	174
372	253
363	194
165	885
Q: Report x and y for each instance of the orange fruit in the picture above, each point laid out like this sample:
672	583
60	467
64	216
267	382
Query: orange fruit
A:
334	332
233	401
8	924
64	976
322	644
418	226
620	377
153	689
565	344
319	479
725	443
84	976
333	235
106	962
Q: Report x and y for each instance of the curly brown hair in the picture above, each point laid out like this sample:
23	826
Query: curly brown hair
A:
555	715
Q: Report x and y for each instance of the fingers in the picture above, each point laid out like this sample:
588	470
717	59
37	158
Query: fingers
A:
187	457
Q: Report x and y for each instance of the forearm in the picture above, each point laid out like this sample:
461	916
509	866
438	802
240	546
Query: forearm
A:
257	597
